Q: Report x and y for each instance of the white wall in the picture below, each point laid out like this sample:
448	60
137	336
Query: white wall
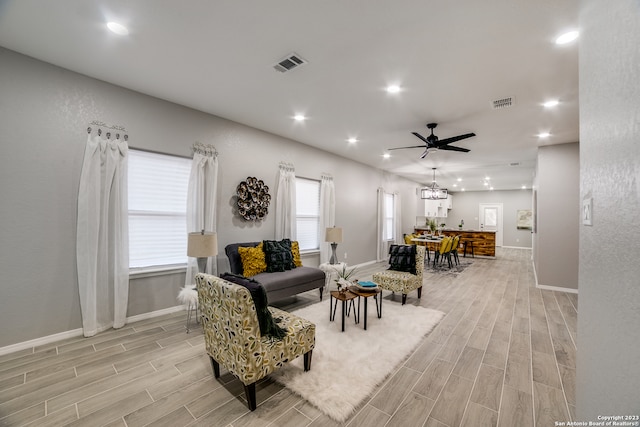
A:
608	358
466	206
44	113
557	216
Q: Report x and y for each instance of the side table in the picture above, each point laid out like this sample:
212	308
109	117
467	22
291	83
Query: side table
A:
376	294
347	299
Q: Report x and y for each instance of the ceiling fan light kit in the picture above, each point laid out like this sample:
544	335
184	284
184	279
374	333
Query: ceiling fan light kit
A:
433	191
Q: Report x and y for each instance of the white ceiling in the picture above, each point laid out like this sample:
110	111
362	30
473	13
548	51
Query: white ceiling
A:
451	59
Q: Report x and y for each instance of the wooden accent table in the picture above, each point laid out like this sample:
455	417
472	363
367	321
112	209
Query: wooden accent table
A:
346	298
366	294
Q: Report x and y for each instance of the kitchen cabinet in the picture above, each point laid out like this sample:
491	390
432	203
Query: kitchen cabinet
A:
438	208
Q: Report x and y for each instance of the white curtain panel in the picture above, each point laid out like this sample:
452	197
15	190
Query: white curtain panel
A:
380	240
285	209
201	202
327	214
397	216
102	246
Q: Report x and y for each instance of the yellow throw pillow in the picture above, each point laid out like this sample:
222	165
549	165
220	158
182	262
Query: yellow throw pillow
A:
295	251
407	239
253	261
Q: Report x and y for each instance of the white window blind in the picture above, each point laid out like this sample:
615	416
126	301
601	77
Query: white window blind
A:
308	213
389	220
157	209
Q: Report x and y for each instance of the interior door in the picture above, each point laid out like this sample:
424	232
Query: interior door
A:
490	219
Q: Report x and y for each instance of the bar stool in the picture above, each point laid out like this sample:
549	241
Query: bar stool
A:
470	244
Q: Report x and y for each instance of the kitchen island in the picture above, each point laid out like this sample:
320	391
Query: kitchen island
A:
484	242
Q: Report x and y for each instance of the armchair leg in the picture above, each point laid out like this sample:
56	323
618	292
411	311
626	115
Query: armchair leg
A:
216	367
321	289
404	298
307	360
250	391
420	292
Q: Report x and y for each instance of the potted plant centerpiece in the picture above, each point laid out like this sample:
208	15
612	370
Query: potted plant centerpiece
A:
343	280
433	225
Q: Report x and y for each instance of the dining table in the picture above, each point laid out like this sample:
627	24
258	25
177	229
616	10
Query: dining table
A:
431	244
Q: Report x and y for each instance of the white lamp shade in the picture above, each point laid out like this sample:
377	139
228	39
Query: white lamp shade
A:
202	245
334	235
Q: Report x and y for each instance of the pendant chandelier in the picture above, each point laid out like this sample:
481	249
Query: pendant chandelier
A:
433	191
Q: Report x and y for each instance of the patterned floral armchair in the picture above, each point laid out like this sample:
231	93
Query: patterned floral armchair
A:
402	281
232	334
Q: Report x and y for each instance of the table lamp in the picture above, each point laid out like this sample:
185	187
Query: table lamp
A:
333	235
202	246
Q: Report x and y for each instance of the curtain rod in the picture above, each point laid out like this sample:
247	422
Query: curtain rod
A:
104	125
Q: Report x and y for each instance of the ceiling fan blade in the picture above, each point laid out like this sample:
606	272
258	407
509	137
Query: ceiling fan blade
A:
446	141
426	141
452	148
402	148
425	153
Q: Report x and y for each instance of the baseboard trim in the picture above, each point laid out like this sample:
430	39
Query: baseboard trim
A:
557	288
40	341
547	287
78	332
152	314
517	247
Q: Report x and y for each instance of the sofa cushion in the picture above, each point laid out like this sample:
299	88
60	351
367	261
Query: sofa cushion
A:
402	258
235	262
268	325
253	261
278	255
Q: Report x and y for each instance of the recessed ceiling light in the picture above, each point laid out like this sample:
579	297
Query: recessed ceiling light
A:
485	183
299	117
119	29
551	103
462	189
544	135
524	187
490	188
455	185
459	179
393	88
352	140
567	37
386	155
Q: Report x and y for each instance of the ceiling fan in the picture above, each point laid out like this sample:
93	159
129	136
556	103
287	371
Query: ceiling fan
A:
432	141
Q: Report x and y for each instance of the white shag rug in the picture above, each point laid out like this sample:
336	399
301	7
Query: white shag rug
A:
347	366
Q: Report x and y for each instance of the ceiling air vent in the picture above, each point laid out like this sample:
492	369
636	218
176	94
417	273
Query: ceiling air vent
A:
503	103
289	62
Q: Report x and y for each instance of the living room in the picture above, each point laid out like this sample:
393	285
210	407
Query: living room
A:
45	113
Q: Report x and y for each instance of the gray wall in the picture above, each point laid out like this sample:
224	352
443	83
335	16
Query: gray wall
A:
44	113
608	358
467	204
557	215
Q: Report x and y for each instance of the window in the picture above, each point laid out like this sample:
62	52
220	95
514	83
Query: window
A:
389	217
308	213
157	187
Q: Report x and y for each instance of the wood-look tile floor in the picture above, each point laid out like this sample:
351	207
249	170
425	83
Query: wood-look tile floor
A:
504	355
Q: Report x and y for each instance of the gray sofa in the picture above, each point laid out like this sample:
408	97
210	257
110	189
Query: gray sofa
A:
279	285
